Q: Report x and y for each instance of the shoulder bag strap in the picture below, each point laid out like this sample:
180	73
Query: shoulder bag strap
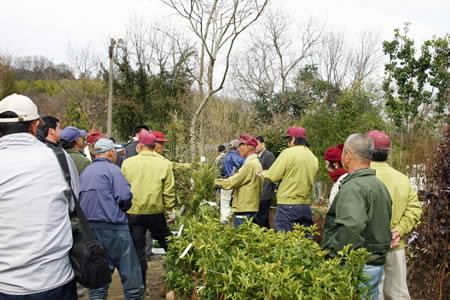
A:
84	226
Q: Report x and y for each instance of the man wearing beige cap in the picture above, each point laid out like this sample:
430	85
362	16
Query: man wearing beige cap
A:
406	212
246	183
294	170
35	235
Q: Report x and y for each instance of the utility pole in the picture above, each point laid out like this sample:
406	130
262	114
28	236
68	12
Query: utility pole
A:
110	95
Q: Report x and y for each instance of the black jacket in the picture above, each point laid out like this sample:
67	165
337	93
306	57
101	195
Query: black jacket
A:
267	158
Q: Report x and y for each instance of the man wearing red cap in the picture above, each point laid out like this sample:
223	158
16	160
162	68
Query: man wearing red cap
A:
160	142
335	170
294	170
406	212
153	187
247	184
92	137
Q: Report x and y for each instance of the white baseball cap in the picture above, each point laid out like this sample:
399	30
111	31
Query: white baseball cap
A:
22	106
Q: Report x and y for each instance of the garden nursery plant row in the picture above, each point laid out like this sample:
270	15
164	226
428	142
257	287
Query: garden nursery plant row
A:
207	260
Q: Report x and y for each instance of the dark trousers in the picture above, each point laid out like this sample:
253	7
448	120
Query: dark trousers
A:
64	292
139	224
262	217
289	214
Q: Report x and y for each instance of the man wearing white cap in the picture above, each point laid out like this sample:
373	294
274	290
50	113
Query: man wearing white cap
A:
35	235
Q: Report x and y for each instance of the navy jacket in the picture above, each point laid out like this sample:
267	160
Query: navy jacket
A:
105	195
233	162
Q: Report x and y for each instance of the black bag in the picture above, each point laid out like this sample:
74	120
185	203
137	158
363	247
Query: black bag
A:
87	255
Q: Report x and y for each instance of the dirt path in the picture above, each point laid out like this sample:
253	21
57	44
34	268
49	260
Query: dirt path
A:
155	278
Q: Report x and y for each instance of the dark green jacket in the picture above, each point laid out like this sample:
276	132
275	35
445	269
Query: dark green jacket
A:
79	159
360	215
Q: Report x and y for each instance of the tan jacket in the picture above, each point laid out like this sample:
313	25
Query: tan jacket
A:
406	208
152	183
294	170
247	185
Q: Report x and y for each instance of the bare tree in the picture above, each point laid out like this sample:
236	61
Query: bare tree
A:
365	58
216	24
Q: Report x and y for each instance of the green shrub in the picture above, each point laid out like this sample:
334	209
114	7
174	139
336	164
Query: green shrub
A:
256	263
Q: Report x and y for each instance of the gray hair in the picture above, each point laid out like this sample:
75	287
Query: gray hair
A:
360	145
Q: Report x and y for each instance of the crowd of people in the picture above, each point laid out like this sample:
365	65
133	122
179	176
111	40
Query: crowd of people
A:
128	192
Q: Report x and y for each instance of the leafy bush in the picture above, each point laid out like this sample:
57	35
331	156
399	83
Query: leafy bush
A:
255	263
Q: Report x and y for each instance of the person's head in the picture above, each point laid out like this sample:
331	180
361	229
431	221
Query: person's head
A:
51	128
381	143
333	158
234	144
160	141
296	136
104	147
120	148
147	141
92	137
18	114
221	148
357	152
261	145
72	138
139	128
247	145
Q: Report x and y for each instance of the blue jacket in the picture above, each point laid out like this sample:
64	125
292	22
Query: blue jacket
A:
105	195
233	162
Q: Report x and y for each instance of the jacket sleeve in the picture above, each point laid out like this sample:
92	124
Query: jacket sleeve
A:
276	172
240	178
168	191
122	191
411	215
227	166
351	219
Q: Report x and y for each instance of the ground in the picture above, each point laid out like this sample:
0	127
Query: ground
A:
155	279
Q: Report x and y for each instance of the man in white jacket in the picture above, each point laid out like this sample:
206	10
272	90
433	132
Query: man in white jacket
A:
35	235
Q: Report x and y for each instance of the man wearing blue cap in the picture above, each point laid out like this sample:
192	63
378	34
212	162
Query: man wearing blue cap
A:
71	139
105	196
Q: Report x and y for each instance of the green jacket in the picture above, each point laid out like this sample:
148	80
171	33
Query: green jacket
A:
247	185
152	183
295	169
406	208
79	159
360	215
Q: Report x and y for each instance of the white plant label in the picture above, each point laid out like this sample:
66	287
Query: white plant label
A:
186	250
181	230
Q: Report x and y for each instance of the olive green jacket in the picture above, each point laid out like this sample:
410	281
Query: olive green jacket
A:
406	208
294	170
247	185
79	159
360	215
152	183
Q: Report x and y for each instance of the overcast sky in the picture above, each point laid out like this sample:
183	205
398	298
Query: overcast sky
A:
47	27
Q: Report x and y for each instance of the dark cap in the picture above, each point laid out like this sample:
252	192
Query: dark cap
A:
71	133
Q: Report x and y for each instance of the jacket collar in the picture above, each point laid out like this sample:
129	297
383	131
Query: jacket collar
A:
19	140
148	153
377	164
359	173
98	159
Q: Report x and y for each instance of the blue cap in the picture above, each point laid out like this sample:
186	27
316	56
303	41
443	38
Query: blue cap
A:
103	145
71	133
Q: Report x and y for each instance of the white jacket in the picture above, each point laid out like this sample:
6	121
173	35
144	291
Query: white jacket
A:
35	230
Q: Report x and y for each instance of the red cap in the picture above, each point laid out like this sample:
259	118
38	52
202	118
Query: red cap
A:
295	131
160	136
93	136
380	140
249	140
146	138
334	153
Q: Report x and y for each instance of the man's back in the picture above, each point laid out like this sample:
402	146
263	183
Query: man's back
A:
360	215
233	161
406	209
295	170
35	235
152	183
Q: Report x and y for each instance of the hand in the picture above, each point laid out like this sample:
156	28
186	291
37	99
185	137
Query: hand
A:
395	241
171	218
260	173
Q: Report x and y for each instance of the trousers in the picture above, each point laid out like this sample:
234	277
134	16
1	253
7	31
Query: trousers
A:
287	215
393	285
225	205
